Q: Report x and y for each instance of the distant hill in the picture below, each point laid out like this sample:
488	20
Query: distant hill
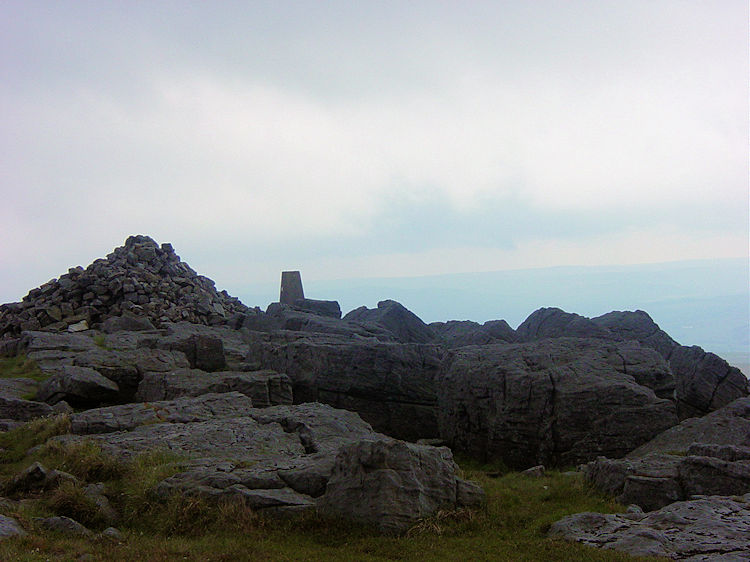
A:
705	302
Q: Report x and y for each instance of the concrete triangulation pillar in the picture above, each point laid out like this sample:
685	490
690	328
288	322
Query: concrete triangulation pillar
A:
291	287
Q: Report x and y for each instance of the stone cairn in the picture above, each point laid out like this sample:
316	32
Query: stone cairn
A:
139	278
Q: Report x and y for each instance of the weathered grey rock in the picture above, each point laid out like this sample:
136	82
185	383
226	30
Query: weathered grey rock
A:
80	326
9	527
319	307
394	317
266	388
112	533
23	410
705	382
202	351
284	317
97	494
534	472
127	322
729	425
37	477
391	484
554	402
639	326
658	479
462	333
79	386
390	385
127	367
64	526
182	410
707	528
555	323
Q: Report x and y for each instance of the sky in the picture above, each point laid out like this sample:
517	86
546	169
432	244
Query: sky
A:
371	139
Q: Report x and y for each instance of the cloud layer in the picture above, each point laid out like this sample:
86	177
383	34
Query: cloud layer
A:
386	138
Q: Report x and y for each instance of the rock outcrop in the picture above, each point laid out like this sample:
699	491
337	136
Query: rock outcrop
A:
456	333
391	385
140	277
406	326
705	528
554	402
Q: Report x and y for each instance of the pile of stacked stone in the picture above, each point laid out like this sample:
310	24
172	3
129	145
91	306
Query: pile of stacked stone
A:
141	278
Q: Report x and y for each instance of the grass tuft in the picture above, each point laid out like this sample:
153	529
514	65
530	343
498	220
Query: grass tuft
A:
21	366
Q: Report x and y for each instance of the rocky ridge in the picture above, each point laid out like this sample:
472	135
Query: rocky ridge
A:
297	408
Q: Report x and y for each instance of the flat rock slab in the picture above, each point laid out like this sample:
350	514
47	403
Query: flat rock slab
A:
23	410
182	410
79	386
266	388
705	528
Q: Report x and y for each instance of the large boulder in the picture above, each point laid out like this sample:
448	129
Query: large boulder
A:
462	333
704	528
555	323
391	484
390	385
266	388
705	381
729	425
559	401
79	387
396	318
639	326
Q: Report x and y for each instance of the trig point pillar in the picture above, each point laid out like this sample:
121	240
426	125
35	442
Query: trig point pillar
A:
291	287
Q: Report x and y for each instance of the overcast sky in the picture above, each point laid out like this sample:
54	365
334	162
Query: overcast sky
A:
362	139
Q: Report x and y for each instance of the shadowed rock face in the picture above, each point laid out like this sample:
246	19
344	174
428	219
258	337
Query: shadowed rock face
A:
406	326
462	333
390	385
560	401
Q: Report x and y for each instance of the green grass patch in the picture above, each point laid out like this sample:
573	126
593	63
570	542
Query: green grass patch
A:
101	341
21	366
15	443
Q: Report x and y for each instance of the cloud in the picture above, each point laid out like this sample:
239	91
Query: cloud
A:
352	134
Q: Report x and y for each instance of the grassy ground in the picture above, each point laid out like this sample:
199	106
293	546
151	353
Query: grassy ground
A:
511	526
20	366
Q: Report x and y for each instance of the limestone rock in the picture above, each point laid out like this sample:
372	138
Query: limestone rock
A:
462	333
558	401
390	484
9	527
394	317
79	386
127	322
266	388
555	323
729	425
390	385
182	410
64	526
319	307
22	410
705	528
37	477
658	479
